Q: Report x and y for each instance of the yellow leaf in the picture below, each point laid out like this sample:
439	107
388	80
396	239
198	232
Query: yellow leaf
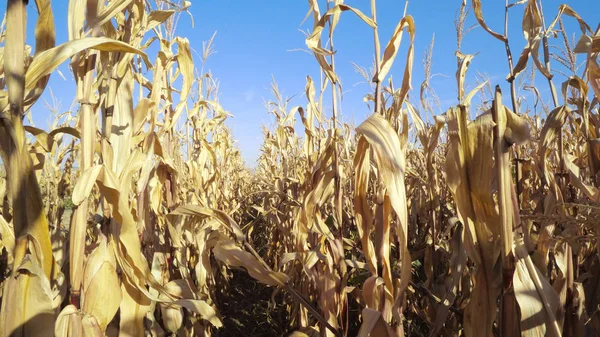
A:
27	302
537	299
157	17
228	252
84	185
47	61
373	325
102	291
392	49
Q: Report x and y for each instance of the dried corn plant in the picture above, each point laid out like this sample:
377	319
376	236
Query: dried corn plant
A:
134	213
145	223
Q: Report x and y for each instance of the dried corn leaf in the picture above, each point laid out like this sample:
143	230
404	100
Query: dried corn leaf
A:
374	325
362	209
391	162
157	17
113	8
186	66
73	323
458	262
392	49
27	302
594	76
228	252
566	9
538	301
314	40
45	38
7	237
102	293
133	308
461	73
470	174
76	18
479	15
203	212
47	61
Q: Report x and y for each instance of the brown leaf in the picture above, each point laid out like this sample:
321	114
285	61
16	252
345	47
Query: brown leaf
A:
228	252
479	15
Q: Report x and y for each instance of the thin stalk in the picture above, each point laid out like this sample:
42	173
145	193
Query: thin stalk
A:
511	80
79	225
107	120
508	325
380	235
336	160
85	97
377	97
187	135
552	87
432	189
513	96
562	178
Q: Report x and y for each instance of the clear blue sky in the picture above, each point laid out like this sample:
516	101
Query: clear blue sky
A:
254	39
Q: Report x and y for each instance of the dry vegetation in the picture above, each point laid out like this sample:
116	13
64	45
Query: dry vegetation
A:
135	215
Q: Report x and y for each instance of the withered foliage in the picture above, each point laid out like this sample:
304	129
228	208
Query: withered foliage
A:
128	216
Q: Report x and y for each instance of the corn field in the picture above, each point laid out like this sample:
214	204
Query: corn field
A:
135	214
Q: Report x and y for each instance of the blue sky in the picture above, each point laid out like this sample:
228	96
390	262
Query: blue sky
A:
255	38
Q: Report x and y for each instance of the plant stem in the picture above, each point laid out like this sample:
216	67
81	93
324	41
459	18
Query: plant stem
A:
377	97
511	80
